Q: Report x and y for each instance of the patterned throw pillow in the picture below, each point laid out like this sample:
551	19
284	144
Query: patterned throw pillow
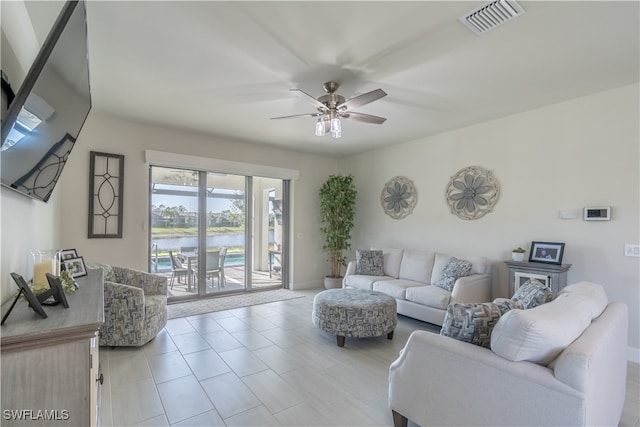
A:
473	323
369	262
454	269
533	293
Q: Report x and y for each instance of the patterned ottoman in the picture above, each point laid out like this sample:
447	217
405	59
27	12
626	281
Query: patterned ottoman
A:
354	313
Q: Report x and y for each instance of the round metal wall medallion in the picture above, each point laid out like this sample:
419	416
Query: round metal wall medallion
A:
399	197
472	192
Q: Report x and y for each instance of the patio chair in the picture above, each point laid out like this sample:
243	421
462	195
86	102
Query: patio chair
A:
177	269
213	266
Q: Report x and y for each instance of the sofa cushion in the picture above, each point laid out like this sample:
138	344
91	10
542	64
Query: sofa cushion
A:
597	296
454	269
533	293
474	322
541	333
363	282
396	288
391	261
429	295
417	266
369	262
479	264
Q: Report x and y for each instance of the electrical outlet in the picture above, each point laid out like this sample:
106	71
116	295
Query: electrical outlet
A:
632	250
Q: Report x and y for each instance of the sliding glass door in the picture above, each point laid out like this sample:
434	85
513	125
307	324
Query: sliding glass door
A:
215	233
267	232
226	232
174	228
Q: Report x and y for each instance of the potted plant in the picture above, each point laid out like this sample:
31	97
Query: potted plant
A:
518	254
337	211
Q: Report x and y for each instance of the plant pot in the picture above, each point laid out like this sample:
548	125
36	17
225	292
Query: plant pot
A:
517	256
332	282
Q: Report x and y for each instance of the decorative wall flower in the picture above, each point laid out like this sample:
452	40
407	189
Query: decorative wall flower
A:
472	192
398	197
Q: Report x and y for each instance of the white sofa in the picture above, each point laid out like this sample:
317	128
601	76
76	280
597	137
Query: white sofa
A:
410	277
562	363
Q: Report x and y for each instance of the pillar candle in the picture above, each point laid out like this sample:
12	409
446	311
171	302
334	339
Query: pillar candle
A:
39	270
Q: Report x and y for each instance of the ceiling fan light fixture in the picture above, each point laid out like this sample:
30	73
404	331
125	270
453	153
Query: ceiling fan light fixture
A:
321	127
336	127
332	107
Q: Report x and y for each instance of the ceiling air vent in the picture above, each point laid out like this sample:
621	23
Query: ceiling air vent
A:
490	16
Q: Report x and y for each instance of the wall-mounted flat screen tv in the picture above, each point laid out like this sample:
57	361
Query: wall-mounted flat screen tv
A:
44	119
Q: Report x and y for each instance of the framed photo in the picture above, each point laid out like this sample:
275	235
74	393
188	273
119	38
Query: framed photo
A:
547	252
75	267
31	298
68	254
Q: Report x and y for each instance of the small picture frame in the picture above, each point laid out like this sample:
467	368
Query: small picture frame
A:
68	254
546	252
55	291
31	298
75	266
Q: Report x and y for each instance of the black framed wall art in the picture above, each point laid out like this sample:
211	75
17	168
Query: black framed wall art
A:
106	187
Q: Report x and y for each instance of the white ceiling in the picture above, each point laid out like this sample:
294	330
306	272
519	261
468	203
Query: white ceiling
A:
225	68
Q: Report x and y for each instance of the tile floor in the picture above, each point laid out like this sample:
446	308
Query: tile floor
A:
261	366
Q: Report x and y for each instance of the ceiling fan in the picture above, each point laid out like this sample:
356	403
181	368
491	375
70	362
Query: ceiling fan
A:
332	107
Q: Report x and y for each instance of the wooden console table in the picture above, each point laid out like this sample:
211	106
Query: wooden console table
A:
50	367
554	276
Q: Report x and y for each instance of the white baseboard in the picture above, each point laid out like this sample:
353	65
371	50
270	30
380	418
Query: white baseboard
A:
633	354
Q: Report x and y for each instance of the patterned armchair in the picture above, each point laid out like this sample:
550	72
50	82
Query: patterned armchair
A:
135	306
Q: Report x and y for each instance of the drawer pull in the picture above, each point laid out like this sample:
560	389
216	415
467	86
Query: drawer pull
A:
100	378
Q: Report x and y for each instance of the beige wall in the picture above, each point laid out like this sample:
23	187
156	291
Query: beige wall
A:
112	135
26	225
583	152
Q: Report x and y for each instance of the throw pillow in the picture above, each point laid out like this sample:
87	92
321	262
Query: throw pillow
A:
540	334
369	262
473	323
454	269
533	293
107	272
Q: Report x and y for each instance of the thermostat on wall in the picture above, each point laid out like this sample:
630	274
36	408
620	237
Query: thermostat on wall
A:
597	213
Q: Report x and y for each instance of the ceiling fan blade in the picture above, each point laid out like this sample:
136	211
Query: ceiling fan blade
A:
309	98
366	118
363	99
297	115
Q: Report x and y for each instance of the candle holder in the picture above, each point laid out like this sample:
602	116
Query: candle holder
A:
44	261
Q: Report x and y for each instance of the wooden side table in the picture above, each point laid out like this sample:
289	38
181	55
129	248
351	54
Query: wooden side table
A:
554	276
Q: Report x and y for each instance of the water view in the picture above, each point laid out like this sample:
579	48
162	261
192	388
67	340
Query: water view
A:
215	241
162	263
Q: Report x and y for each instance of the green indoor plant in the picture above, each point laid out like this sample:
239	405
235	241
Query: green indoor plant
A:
518	254
337	211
